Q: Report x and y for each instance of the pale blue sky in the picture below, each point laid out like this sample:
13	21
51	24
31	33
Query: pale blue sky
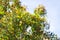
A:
53	12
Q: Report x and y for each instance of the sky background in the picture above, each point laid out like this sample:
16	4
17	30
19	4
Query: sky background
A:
53	12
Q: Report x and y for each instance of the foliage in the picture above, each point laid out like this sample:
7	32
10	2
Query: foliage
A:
15	20
50	36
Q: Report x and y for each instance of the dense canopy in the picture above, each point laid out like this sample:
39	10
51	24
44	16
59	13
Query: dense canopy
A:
15	21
